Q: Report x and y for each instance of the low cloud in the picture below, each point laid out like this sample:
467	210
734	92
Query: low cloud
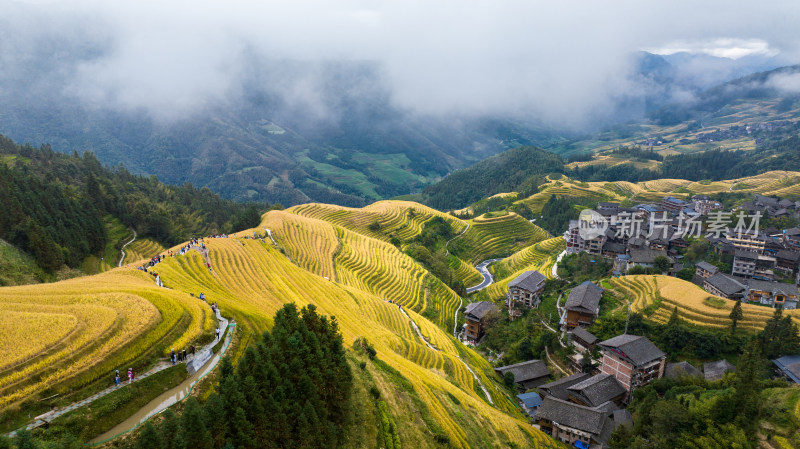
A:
564	64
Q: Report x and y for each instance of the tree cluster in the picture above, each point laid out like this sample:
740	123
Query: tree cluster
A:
53	205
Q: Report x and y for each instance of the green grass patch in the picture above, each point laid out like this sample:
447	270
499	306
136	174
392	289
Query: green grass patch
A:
716	303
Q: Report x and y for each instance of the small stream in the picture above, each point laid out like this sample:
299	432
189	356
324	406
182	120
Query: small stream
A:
165	400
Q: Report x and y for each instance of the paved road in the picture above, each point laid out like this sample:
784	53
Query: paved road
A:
487	277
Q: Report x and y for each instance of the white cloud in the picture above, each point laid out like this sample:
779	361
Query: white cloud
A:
563	61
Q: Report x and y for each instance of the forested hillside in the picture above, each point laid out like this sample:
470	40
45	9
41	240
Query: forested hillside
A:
56	207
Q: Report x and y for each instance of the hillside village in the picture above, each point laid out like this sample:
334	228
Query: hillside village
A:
583	398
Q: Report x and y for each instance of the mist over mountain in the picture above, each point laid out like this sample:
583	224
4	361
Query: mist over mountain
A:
341	102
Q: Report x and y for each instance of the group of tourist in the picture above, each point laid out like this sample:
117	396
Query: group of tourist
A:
181	355
118	378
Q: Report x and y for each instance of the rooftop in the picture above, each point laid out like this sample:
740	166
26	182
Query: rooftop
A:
529	280
715	370
585	298
638	349
790	366
525	371
572	415
598	390
707	266
675	370
584	335
726	284
478	310
530	400
558	388
645	255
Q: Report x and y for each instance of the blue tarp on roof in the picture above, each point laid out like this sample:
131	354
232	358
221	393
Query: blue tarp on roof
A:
531	400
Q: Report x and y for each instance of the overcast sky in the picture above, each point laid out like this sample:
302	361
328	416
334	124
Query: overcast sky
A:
561	59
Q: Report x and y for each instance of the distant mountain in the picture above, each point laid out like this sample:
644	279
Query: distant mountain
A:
343	142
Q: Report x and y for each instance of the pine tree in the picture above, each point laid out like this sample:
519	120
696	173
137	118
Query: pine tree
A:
736	315
195	432
149	438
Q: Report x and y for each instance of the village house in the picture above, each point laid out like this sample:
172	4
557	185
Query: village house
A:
775	294
744	263
524	292
558	388
681	369
577	425
786	260
788	366
705	270
644	257
583	339
601	390
475	316
672	204
582	306
634	360
723	286
715	370
528	374
530	402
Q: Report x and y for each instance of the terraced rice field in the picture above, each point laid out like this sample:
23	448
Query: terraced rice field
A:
252	279
498	236
141	249
464	272
539	257
657	297
403	219
63	336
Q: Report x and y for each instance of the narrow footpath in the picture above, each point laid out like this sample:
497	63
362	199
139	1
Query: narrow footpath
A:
122	250
447	251
475	376
554	272
193	364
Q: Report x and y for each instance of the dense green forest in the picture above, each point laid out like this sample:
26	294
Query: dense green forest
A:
524	169
292	389
520	169
53	205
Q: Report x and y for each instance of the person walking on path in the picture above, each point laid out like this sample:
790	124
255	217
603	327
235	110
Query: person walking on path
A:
117	379
184	355
130	375
172	356
192	349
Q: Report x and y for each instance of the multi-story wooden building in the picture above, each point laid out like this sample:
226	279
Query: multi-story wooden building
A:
634	360
475	318
523	292
583	305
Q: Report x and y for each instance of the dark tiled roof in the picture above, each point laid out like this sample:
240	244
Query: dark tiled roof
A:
585	297
715	370
771	286
639	349
742	254
558	388
598	389
675	370
613	247
725	284
525	371
584	335
645	255
707	266
790	365
529	280
478	310
572	415
788	255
